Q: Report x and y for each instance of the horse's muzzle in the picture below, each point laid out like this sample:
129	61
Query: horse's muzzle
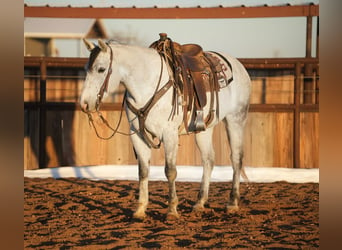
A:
85	107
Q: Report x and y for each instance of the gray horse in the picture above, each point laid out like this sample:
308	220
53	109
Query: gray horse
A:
143	72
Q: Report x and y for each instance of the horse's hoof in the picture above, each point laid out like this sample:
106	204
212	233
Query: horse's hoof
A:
232	208
139	216
198	208
172	216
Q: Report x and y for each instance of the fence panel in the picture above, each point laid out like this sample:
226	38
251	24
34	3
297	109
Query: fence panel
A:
272	138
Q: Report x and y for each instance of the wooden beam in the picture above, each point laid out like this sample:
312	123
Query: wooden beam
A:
249	63
257	108
68	62
172	13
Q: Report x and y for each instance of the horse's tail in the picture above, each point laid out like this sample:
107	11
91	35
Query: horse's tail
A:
243	174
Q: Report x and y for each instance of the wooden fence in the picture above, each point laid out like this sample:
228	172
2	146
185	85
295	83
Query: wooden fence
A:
282	128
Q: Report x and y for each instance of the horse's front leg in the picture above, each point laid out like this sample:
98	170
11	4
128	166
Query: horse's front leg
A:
171	148
143	153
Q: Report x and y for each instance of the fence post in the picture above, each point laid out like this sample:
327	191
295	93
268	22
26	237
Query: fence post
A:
42	115
308	83
296	117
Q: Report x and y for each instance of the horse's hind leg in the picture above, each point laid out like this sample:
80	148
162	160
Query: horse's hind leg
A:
205	145
171	147
235	128
143	153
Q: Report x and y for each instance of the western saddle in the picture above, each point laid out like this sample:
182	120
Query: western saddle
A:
195	73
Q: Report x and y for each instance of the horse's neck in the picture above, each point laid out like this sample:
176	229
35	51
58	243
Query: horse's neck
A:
140	71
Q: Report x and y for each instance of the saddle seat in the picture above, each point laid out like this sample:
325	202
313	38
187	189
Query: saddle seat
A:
191	50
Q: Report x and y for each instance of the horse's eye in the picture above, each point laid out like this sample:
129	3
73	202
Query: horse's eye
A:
101	70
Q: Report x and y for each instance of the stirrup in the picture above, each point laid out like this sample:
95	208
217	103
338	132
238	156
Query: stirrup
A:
199	121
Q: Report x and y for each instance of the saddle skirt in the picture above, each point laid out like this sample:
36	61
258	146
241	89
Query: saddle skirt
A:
195	73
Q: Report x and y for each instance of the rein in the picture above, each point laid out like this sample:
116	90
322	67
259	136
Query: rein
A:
115	130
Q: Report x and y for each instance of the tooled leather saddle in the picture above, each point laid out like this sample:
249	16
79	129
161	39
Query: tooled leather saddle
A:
195	74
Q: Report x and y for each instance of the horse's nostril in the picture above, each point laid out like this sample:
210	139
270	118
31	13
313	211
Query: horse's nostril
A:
84	106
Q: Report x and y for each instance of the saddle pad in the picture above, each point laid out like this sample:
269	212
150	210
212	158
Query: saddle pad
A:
224	71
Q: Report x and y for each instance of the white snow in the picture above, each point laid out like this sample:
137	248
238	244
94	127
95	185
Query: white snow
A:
185	173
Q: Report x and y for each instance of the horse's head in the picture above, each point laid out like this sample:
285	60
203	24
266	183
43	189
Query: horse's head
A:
102	75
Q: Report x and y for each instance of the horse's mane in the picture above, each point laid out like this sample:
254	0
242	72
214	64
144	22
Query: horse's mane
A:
93	54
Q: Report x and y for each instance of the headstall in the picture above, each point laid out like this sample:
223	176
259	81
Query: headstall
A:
105	83
140	113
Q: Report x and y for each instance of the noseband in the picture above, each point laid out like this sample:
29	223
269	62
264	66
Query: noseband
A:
105	83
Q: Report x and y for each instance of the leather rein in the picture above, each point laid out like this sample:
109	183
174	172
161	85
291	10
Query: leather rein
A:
140	113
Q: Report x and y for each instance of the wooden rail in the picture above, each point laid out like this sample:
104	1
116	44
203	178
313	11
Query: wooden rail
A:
176	12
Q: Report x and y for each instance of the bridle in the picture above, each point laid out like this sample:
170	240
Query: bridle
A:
140	113
103	89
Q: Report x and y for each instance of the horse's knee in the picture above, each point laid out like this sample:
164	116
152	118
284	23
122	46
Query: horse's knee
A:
170	172
143	171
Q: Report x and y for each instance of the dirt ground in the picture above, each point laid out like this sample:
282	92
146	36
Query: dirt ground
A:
84	214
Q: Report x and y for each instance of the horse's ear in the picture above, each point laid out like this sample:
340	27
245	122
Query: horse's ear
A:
88	44
102	45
